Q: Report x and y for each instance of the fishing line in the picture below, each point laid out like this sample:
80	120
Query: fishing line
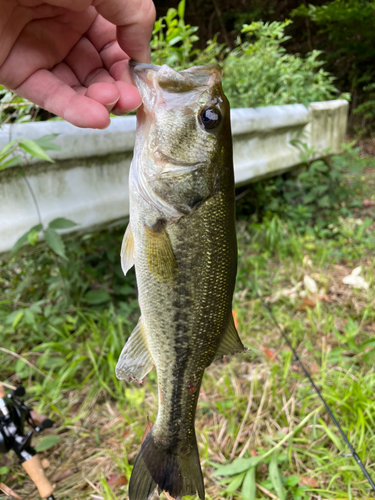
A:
327	407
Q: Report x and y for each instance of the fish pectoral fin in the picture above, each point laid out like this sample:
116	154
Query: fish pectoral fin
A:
230	342
127	250
135	360
160	257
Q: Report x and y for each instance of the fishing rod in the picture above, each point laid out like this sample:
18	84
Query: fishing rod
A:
13	416
284	335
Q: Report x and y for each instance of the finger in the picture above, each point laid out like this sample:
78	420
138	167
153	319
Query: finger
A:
65	74
49	92
120	71
134	20
122	96
75	5
102	35
129	98
106	94
86	63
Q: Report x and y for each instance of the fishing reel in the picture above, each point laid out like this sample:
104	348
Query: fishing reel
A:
13	416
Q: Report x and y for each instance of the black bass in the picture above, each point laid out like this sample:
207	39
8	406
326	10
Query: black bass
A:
181	238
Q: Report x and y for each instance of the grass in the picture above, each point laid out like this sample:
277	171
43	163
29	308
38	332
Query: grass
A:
63	325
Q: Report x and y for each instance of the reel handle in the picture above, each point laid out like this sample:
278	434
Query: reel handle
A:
34	469
32	466
2	391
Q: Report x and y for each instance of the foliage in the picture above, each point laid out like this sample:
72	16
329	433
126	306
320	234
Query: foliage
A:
349	41
259	425
172	40
366	111
14	108
18	151
257	72
315	197
241	473
69	294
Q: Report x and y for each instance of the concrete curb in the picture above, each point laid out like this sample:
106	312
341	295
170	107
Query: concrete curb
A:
88	182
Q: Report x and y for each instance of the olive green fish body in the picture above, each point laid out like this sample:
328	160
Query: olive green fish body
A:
182	240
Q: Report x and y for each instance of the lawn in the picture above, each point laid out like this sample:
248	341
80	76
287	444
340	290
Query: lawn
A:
262	431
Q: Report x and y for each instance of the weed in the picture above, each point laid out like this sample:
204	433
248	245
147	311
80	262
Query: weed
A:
261	430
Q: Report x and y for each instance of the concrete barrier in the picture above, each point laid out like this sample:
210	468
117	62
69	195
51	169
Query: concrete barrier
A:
88	182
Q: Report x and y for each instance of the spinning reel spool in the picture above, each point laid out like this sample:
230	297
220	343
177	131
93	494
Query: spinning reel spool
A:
13	416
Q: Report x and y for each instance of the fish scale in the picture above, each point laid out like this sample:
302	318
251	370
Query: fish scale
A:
181	238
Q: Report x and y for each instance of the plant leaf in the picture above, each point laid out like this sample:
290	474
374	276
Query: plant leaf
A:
24	238
55	242
34	149
6	149
10	163
235	483
249	487
97	297
237	466
47	443
61	223
46	142
181	9
276	478
32	237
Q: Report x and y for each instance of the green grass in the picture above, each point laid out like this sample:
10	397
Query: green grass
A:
63	325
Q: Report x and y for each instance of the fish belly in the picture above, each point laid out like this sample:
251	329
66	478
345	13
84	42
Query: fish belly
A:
184	319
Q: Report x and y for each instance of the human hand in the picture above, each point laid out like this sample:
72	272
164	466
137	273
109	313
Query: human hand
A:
71	56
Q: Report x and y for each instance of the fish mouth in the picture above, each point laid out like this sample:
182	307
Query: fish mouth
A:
178	165
168	79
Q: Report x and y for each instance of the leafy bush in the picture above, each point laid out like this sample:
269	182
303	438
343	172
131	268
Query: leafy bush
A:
315	197
366	111
257	72
348	39
172	40
16	109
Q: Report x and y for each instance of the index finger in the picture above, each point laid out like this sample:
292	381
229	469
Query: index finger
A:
134	20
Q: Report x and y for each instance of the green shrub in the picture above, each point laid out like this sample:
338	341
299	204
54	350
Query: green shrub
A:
346	29
172	40
316	196
16	109
257	72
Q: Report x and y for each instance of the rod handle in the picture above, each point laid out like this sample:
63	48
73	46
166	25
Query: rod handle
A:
34	469
2	391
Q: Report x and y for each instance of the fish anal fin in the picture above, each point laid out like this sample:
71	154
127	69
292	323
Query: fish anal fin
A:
160	257
135	360
127	250
230	342
147	429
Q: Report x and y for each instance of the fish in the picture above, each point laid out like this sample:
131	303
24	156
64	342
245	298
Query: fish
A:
181	237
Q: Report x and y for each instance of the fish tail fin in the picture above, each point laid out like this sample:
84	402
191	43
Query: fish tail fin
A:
178	475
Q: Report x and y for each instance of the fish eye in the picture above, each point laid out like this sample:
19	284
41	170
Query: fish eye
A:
209	118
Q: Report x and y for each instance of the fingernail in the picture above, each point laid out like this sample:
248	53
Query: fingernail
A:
134	109
112	103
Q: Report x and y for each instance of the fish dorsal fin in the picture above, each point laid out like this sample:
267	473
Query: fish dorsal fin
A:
160	257
127	250
230	342
135	360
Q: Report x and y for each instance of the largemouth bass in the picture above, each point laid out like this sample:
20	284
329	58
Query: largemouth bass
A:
181	238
